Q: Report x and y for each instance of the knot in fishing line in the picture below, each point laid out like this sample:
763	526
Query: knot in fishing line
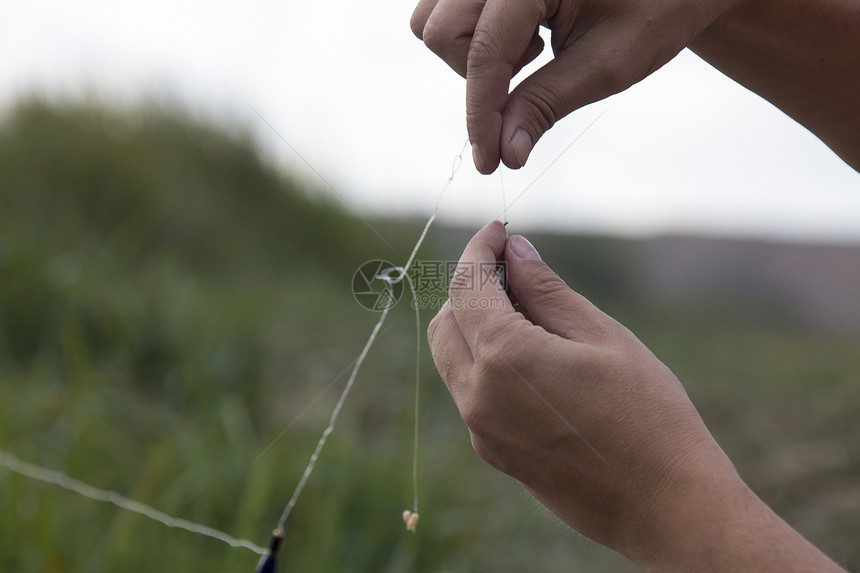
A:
385	275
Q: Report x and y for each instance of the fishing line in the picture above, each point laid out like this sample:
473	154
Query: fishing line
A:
64	481
417	400
504	201
455	166
301	414
410	517
53	477
324	180
305	410
553	409
554	161
410	524
332	420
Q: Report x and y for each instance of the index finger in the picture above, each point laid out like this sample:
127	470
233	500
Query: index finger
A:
502	36
476	295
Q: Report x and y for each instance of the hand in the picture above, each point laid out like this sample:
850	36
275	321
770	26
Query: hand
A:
601	47
567	401
562	397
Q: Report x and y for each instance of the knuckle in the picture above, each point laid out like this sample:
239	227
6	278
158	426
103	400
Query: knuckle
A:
495	348
492	452
483	51
416	23
548	290
492	367
489	365
611	72
548	286
596	324
480	418
442	318
484	451
546	105
474	416
433	327
437	37
600	329
607	330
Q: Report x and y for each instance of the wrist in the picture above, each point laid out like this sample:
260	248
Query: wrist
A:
691	516
697	526
713	521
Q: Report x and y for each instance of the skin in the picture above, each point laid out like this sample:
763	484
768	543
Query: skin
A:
563	398
799	54
554	392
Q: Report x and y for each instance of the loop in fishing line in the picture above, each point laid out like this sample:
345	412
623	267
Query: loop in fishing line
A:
267	562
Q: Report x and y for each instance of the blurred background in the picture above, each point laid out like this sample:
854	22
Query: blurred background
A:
185	194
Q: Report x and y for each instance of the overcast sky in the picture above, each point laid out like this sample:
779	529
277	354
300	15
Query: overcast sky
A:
380	118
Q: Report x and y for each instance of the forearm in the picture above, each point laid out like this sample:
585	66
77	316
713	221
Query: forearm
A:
801	55
722	526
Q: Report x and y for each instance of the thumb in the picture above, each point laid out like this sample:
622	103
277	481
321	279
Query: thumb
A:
562	86
546	299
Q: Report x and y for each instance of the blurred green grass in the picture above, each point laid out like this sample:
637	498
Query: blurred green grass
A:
169	302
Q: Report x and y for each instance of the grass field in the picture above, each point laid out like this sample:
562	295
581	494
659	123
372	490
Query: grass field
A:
169	304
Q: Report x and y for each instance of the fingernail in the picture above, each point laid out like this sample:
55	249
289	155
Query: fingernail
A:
523	249
478	158
522	145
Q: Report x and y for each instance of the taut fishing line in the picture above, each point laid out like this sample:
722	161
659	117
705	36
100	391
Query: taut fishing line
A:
390	277
504	199
12	463
390	281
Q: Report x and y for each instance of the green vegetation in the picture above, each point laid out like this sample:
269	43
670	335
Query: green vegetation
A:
169	303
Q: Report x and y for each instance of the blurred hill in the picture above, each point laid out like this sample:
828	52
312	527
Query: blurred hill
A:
168	304
809	286
94	198
813	286
171	304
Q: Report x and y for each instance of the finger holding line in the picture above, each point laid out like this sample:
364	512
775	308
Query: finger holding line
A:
503	36
480	305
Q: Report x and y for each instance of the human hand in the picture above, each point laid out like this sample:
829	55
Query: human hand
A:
567	401
601	47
